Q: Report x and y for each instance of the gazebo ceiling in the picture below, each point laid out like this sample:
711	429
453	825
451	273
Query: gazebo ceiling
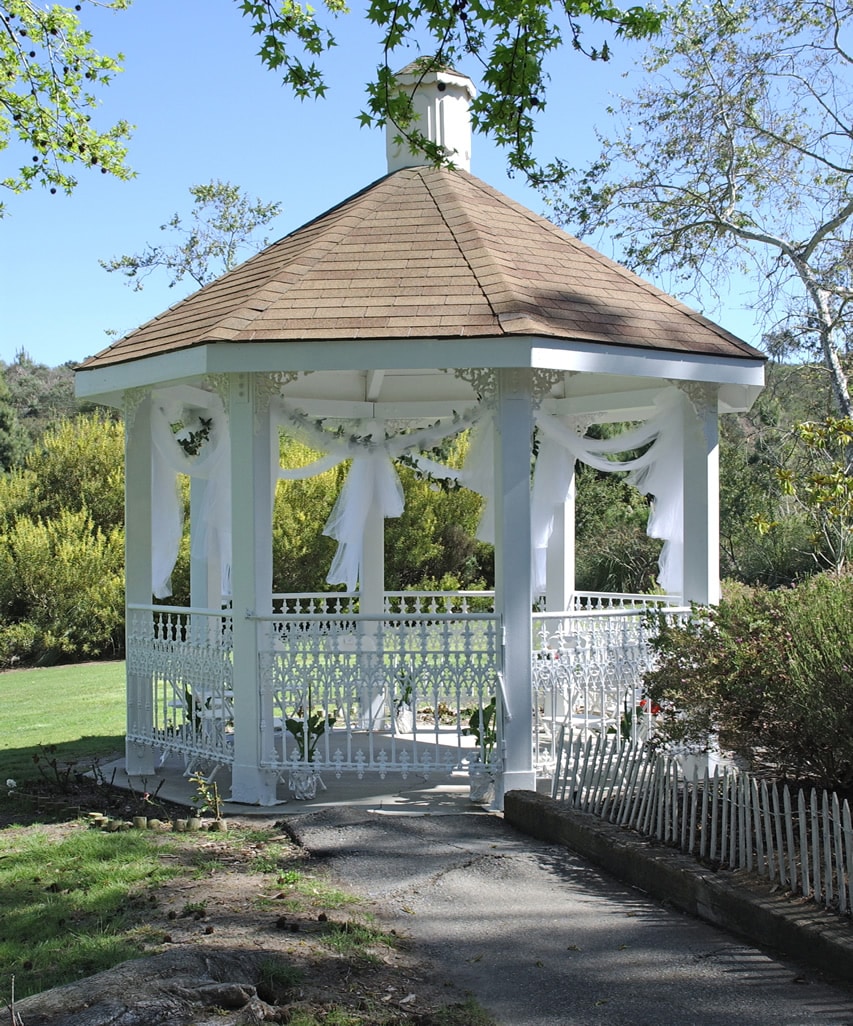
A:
427	267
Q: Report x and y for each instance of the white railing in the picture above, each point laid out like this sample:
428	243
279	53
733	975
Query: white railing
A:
588	669
304	603
592	600
804	843
461	602
180	683
347	602
400	688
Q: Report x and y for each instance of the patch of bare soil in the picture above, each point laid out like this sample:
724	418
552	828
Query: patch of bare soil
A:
232	943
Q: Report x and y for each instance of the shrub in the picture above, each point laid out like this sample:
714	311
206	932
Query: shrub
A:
63	581
770	672
79	465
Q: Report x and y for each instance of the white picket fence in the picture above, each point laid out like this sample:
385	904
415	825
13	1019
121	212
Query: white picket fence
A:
727	817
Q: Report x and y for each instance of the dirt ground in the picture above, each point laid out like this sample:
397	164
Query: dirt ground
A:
235	946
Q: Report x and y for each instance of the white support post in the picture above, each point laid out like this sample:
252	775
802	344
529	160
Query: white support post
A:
560	575
251	581
205	571
371	595
371	585
701	582
140	760
514	572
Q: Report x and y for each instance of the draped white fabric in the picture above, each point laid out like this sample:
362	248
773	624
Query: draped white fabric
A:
168	459
478	474
372	482
657	472
551	482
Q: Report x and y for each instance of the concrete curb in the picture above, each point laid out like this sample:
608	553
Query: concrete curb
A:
796	928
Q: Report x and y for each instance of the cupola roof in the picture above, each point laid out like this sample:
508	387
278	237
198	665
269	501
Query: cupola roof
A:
428	253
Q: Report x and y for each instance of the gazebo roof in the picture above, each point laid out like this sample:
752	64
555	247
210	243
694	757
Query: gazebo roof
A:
428	253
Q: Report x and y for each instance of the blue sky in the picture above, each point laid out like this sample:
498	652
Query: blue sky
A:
205	108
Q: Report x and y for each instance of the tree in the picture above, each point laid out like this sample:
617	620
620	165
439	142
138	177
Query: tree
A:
823	485
222	224
62	546
509	39
41	395
13	438
49	72
737	156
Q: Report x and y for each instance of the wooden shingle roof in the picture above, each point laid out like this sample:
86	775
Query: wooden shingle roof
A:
428	253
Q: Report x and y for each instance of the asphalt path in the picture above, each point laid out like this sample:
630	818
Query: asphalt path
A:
542	938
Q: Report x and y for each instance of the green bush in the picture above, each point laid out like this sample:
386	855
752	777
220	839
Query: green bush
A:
63	581
62	546
623	559
613	551
769	672
79	465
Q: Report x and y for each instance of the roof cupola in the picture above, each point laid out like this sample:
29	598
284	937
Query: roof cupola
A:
440	97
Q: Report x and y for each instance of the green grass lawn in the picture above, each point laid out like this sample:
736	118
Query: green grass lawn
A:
78	708
75	900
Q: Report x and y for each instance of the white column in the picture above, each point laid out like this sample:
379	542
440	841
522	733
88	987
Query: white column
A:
701	500
514	571
371	585
140	760
371	599
205	575
205	571
560	574
251	583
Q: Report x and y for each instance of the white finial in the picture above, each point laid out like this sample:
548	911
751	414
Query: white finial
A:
440	101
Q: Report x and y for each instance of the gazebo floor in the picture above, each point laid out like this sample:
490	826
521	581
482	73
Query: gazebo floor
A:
438	795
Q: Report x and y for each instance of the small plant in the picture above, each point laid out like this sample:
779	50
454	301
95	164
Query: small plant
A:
482	726
60	775
634	719
268	860
194	910
355	940
405	680
206	797
307	729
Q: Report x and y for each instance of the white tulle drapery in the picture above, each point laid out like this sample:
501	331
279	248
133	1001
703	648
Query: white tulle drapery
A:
478	474
657	472
551	482
213	464
372	482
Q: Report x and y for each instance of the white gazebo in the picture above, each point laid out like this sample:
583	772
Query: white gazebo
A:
424	305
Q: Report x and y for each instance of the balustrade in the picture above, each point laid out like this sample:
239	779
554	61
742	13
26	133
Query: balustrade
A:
391	692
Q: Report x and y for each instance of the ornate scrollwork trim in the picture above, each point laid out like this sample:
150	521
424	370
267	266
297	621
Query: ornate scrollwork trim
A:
483	380
702	396
132	399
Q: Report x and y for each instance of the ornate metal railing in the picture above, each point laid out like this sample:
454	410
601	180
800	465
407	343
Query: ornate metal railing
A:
347	602
179	673
400	688
588	669
392	692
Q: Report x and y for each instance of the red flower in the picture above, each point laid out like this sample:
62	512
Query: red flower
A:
655	708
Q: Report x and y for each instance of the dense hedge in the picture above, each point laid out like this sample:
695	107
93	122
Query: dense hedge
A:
770	673
62	547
